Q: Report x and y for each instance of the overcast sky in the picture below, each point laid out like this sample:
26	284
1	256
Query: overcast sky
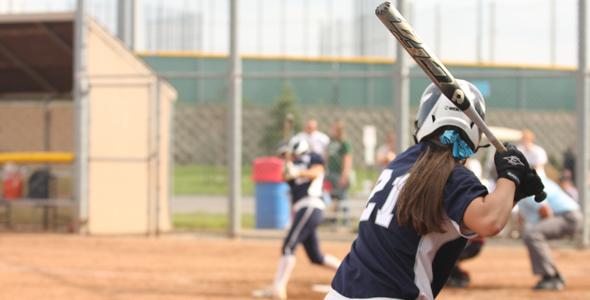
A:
522	27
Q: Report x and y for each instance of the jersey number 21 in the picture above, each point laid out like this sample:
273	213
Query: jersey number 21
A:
385	212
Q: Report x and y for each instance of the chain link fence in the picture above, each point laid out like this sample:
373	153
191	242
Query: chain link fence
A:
337	59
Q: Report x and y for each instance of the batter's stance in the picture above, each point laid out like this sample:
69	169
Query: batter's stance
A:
426	203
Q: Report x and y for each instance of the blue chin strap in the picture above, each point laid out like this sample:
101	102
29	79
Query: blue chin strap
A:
461	149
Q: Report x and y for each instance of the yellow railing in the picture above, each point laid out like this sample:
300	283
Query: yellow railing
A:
37	157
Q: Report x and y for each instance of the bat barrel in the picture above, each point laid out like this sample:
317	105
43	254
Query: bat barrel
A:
431	65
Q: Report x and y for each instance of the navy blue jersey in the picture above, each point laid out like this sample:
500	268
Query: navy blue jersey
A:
302	187
392	261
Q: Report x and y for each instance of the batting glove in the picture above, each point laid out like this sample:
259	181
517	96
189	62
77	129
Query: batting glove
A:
531	186
291	172
511	164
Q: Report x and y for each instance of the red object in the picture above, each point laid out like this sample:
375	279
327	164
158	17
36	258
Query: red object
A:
268	169
327	186
12	188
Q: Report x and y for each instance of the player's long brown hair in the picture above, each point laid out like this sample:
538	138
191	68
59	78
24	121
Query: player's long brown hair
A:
420	203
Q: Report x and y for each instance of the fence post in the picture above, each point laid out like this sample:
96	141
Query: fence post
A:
402	89
583	124
235	121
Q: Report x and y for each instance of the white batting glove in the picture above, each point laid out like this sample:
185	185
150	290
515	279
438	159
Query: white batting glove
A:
291	172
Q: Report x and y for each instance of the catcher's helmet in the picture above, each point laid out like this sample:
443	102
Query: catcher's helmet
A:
437	111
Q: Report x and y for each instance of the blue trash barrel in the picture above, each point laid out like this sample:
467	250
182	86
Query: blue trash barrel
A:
271	193
272	205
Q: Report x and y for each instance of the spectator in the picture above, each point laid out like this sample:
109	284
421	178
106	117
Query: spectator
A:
317	140
386	152
566	182
535	154
554	218
569	162
339	169
460	278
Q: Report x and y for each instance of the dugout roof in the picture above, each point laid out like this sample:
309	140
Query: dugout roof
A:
36	53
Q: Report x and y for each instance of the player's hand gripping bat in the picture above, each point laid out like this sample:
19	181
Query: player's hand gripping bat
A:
434	69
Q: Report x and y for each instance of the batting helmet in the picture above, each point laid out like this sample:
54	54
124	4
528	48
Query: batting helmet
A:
298	146
437	111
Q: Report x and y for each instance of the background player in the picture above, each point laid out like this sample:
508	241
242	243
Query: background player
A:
305	175
555	218
425	204
459	278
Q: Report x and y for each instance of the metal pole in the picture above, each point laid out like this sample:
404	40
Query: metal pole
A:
260	26
158	154
306	27
335	62
438	29
583	105
283	14
170	158
330	38
183	26
401	81
201	27
81	111
492	31
479	32
138	29
552	31
212	25
361	28
126	22
235	121
46	124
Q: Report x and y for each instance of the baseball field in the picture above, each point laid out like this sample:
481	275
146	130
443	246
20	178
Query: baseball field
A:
44	266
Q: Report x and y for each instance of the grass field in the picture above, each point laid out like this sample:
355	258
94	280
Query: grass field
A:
212	180
44	266
207	221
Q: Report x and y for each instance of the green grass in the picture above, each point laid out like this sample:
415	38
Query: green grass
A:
194	221
207	180
212	180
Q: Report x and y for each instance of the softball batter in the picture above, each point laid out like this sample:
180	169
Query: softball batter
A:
426	203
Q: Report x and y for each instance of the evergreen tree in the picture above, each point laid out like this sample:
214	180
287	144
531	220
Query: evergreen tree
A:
284	109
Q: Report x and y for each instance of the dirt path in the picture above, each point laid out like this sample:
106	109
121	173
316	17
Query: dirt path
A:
73	267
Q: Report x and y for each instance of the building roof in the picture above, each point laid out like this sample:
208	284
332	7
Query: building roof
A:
36	53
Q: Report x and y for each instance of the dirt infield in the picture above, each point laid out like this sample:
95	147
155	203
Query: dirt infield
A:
74	267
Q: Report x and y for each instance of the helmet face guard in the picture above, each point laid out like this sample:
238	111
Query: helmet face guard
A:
436	111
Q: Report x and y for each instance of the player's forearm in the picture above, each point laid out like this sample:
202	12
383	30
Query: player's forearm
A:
312	173
488	215
347	166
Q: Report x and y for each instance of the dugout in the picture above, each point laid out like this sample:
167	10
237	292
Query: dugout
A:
66	84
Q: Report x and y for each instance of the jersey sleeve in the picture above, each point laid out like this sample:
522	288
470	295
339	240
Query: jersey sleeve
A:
316	159
346	148
462	188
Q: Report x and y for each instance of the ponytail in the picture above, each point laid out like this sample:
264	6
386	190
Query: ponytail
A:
420	203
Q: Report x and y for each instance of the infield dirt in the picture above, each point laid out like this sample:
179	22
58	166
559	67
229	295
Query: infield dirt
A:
43	266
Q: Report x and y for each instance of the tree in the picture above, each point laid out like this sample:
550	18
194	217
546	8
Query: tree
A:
283	112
